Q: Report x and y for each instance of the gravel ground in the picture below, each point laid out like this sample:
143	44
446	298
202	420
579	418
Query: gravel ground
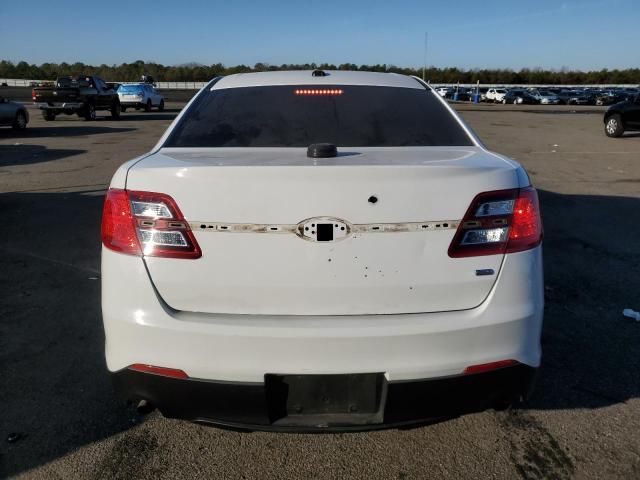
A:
582	422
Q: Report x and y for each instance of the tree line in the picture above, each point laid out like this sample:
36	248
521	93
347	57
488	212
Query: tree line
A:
128	72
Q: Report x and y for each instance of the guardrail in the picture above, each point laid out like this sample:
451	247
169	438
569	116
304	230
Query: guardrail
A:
21	82
181	85
536	85
12	82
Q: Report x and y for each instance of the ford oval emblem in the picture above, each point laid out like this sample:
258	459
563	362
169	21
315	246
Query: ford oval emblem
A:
323	229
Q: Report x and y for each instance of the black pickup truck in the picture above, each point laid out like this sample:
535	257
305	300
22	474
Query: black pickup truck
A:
83	95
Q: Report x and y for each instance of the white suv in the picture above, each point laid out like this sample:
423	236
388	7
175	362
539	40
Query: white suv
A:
140	95
496	94
326	250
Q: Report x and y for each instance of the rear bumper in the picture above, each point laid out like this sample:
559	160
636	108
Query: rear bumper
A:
254	406
128	103
59	106
141	328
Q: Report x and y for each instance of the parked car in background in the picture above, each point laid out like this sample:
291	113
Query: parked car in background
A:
83	95
444	92
623	116
254	277
544	97
609	97
575	97
582	97
482	91
140	95
630	93
147	79
518	96
457	92
13	114
496	94
462	94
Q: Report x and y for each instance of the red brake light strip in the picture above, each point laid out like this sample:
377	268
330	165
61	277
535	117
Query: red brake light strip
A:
319	92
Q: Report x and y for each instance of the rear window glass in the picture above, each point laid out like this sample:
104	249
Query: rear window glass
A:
130	88
66	82
276	116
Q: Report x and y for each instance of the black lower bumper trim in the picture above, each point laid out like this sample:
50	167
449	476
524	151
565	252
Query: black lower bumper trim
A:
253	406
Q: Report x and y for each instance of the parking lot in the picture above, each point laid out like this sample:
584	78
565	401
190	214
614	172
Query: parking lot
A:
56	401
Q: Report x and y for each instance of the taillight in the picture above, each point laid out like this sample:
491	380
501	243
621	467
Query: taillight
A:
488	367
33	94
146	223
499	222
118	225
165	372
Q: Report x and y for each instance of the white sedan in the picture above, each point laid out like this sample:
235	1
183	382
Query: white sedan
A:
321	251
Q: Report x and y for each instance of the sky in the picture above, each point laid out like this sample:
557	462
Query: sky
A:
581	35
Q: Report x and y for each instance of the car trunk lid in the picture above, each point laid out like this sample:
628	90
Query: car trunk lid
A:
249	208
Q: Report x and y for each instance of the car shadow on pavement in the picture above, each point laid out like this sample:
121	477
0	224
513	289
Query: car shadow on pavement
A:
68	130
56	395
20	154
591	353
148	116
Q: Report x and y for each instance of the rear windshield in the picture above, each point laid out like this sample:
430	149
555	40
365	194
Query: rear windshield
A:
64	82
289	116
130	88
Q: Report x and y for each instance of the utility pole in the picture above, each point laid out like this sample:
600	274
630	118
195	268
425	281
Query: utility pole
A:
426	44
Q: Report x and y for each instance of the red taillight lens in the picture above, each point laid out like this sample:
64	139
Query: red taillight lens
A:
118	226
33	94
487	367
504	221
166	372
526	226
146	223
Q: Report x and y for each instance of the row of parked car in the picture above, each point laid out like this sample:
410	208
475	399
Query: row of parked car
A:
85	95
542	96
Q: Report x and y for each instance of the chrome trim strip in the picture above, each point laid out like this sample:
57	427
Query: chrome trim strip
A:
293	228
